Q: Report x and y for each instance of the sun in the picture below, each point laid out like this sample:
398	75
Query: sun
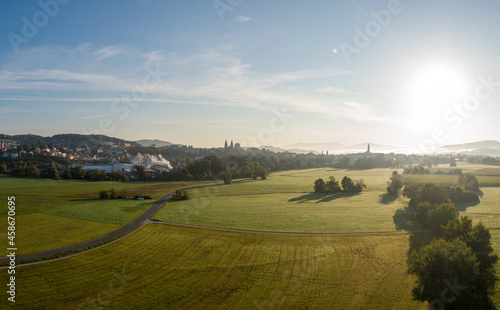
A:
434	88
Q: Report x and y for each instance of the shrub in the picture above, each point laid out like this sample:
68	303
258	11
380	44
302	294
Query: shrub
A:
468	181
226	176
122	195
103	195
112	194
458	195
180	194
358	187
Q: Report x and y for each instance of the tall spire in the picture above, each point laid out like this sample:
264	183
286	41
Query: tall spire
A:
225	145
231	143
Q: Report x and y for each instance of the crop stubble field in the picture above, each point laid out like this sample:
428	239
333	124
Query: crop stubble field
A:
162	266
179	267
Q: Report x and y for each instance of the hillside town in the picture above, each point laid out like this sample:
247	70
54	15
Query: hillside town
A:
105	158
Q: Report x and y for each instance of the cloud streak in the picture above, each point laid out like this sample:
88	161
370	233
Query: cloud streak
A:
213	77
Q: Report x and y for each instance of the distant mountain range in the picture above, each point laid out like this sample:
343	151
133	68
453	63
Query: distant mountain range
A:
486	144
147	142
486	147
65	139
337	148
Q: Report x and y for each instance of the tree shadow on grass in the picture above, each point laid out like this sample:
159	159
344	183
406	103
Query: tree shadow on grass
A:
387	199
331	197
461	207
320	197
307	197
418	240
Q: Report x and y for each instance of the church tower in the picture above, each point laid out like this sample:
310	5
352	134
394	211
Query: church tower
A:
231	144
368	150
225	145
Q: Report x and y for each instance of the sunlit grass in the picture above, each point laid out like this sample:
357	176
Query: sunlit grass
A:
163	267
284	202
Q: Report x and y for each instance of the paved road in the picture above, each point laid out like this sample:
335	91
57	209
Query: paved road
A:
112	235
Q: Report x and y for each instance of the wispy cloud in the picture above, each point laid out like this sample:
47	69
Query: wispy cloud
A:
5	110
108	51
242	19
335	90
53	79
215	77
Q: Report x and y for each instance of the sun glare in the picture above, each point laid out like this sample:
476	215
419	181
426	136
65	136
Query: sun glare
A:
434	88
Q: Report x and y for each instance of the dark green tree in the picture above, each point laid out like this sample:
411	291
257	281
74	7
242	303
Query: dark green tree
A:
3	169
77	172
319	186
139	172
446	274
332	186
478	238
395	184
439	217
468	181
421	214
348	184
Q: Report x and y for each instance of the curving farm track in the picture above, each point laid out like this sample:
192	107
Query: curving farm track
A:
145	219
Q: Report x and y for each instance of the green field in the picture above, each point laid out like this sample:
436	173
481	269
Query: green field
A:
284	202
52	214
164	267
487	176
484	180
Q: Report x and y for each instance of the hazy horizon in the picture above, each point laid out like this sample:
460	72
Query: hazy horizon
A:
259	73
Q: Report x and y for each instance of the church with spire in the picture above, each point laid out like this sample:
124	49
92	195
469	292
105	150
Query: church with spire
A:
231	147
368	150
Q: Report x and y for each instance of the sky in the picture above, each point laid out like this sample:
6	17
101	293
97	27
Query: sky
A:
413	73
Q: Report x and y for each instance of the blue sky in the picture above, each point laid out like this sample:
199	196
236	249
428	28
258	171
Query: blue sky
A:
389	72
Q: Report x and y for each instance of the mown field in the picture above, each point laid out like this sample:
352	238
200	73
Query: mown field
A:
165	267
285	202
52	214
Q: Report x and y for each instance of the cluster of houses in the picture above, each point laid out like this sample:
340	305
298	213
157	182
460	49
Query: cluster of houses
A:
91	158
152	164
9	149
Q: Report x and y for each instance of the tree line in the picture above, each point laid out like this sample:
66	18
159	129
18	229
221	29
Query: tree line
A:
332	186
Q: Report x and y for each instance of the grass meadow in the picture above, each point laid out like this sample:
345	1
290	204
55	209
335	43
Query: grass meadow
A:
285	202
52	214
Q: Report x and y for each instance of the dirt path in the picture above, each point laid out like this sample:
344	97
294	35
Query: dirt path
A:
288	233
